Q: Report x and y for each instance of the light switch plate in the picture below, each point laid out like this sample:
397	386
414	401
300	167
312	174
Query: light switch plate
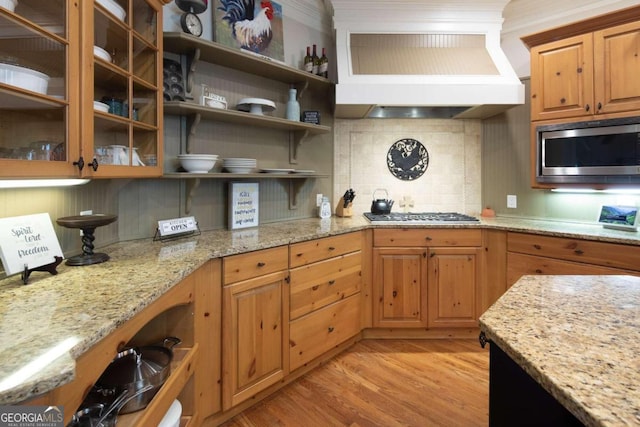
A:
512	201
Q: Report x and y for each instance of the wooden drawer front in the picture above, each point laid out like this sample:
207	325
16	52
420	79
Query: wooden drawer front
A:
586	251
316	285
408	237
253	264
519	265
318	332
316	250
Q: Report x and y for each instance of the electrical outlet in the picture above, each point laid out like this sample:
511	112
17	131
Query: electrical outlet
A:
512	201
318	199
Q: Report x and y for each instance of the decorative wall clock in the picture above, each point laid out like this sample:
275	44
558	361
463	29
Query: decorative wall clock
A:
407	159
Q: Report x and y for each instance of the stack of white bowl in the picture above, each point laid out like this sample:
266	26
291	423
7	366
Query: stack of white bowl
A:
197	163
240	165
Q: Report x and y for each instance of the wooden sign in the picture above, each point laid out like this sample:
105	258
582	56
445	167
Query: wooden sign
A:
243	205
27	242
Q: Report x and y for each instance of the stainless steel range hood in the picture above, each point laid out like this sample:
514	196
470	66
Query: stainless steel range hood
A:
422	58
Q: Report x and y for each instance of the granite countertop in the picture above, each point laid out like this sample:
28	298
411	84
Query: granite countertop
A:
579	338
47	324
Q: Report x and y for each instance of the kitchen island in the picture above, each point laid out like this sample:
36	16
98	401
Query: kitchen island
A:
578	338
48	324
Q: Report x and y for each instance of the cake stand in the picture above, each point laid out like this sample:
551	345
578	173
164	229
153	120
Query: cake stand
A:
256	105
88	225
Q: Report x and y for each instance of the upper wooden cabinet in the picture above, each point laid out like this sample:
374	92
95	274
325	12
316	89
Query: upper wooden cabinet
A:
121	67
587	69
68	55
39	59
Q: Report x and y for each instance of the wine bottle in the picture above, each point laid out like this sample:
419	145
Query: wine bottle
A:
308	61
316	61
323	68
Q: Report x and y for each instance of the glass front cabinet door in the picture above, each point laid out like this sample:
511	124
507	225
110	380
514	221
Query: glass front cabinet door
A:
80	88
121	102
39	92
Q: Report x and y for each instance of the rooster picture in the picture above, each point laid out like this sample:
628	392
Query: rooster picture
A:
251	26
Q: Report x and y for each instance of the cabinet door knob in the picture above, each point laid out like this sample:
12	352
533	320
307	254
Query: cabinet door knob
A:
79	163
331	248
261	264
94	164
331	328
587	107
395	294
428	239
599	106
578	252
332	282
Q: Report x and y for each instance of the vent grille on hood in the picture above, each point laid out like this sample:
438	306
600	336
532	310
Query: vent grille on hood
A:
422	58
407	54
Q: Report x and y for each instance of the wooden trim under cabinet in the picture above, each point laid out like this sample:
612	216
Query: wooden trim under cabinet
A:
240	267
422	237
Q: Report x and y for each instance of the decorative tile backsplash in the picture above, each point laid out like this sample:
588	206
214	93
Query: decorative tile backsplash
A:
452	181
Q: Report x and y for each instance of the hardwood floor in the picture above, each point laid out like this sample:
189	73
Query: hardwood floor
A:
385	383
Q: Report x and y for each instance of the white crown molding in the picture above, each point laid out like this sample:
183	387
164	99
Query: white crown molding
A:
523	17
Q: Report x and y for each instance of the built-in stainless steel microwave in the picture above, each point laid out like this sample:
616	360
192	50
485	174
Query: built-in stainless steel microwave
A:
593	152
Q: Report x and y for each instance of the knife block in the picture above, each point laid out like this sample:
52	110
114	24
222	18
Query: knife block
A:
341	210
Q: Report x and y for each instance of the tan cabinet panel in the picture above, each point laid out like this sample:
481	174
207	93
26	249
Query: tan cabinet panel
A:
316	285
584	251
400	287
252	264
318	332
320	249
521	265
255	330
453	282
406	237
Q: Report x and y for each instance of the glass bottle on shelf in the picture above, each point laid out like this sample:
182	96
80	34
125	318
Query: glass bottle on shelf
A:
308	61
293	107
323	69
316	61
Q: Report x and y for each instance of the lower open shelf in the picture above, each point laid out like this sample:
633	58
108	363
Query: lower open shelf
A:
179	386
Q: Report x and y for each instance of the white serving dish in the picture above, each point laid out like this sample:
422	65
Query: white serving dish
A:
197	163
24	78
114	8
100	106
172	416
99	52
277	171
238	169
256	105
9	4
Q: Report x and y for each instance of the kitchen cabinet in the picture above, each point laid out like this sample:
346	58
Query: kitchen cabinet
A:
126	141
587	69
183	311
196	49
40	108
51	129
324	297
426	277
400	287
255	323
454	275
537	254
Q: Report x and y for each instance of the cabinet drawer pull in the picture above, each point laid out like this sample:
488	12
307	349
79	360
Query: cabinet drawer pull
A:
331	248
538	271
261	264
330	328
428	239
332	282
578	252
537	247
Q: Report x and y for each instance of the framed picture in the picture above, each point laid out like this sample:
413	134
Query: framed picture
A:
251	25
619	217
244	200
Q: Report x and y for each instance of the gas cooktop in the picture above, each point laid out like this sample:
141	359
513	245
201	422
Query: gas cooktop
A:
421	218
